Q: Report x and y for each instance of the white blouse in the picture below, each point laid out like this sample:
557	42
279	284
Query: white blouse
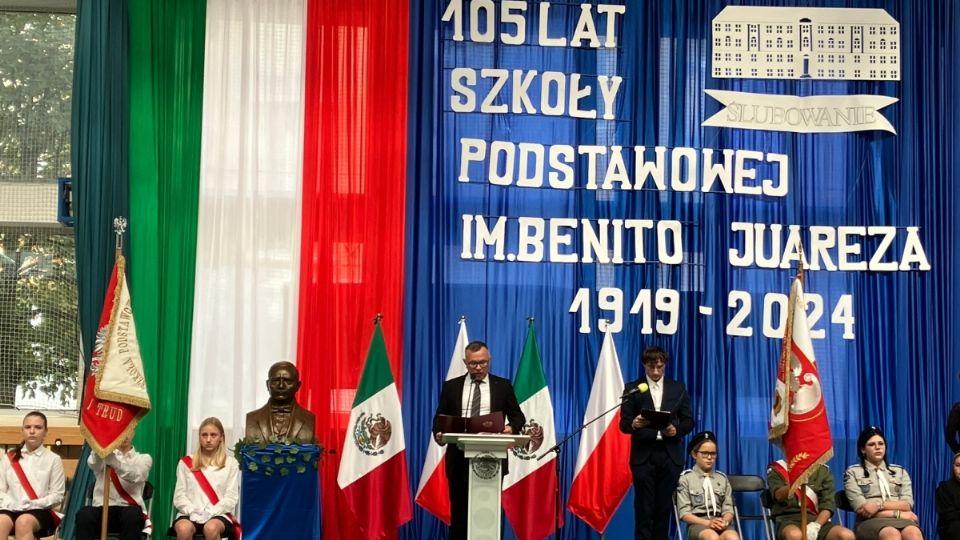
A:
132	467
44	469
188	498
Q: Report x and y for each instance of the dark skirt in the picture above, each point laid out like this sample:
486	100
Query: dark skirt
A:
228	530
44	517
869	529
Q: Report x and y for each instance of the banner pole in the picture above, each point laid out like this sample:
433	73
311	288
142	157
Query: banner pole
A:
803	510
106	502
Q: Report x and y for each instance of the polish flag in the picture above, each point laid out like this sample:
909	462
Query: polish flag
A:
432	492
602	476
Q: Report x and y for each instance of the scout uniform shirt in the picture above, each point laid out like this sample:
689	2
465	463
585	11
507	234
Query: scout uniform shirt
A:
884	483
820	481
695	496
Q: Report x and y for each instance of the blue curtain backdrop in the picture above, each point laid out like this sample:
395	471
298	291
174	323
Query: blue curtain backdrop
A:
899	371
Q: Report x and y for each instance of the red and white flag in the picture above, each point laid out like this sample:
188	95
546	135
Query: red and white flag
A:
115	394
798	420
602	475
432	493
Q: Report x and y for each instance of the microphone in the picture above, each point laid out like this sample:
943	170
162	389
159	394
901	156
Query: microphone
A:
630	392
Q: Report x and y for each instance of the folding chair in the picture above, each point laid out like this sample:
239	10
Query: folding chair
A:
751	483
739	483
843	503
676	517
766	501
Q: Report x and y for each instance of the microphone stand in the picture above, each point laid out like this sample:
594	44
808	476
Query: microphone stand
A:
556	450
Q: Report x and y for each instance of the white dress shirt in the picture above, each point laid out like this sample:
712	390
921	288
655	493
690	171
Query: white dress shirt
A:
189	499
44	470
132	467
656	394
467	398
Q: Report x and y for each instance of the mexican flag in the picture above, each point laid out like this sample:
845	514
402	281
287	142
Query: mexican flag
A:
529	491
373	465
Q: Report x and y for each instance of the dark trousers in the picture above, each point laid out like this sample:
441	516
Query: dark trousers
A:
127	521
459	483
951	531
654	482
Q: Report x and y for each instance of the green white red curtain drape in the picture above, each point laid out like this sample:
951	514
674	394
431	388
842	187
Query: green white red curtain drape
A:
266	198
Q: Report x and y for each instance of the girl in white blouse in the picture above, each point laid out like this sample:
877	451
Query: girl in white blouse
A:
208	488
31	484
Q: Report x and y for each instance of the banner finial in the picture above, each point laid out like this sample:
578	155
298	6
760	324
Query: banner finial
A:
119	227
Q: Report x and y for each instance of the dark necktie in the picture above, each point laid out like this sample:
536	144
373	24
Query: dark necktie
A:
475	402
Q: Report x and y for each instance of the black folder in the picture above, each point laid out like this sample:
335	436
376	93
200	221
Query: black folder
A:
487	423
659	420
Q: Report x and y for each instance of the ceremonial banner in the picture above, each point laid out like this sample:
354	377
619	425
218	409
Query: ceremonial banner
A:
115	395
601	478
798	421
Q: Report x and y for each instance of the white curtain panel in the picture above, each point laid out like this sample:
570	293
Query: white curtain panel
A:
248	235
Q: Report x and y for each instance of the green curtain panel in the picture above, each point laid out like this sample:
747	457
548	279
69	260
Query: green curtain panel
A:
99	160
166	99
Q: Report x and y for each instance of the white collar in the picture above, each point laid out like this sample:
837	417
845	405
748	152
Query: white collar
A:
37	452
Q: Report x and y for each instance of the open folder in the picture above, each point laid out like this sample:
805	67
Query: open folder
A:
659	420
487	423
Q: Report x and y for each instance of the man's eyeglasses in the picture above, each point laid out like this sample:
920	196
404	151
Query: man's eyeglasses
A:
708	454
482	363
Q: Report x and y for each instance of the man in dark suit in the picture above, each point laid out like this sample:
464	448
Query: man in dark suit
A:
656	455
282	417
476	393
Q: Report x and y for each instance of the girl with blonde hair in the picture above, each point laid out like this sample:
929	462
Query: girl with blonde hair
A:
208	488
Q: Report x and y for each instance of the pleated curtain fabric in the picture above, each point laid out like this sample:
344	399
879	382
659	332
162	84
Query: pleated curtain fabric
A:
99	165
352	235
166	90
248	231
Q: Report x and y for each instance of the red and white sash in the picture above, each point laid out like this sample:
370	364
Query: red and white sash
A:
27	487
115	480
210	492
780	467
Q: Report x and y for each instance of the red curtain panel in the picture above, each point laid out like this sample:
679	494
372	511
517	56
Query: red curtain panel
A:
354	184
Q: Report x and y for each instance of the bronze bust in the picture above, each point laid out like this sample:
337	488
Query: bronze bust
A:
282	418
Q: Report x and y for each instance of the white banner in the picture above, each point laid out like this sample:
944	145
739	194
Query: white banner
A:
813	114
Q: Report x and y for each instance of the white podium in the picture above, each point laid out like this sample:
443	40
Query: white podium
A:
484	452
